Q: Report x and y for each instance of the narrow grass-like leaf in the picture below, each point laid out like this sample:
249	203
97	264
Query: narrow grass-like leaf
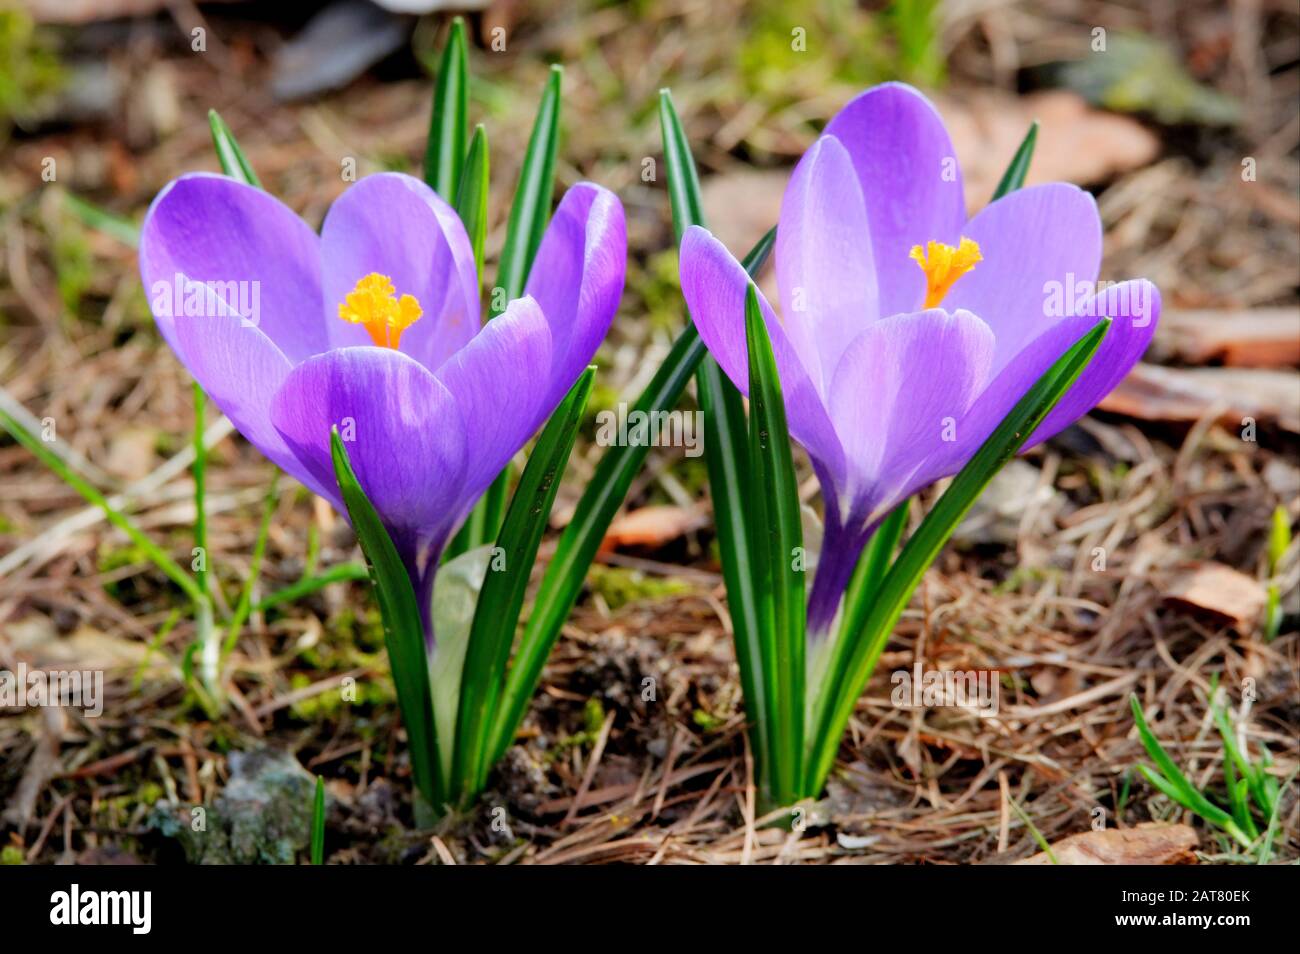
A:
727	457
531	209
403	630
834	709
103	221
1033	830
233	161
318	824
472	196
776	537
308	585
598	505
492	633
244	606
1014	177
199	469
444	154
118	519
529	213
1176	785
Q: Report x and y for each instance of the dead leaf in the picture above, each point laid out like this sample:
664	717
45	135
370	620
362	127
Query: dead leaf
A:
1076	143
1147	844
651	527
131	453
1258	338
1220	591
1185	395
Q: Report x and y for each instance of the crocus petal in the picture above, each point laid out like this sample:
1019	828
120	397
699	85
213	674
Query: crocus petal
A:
714	286
577	279
395	225
1039	244
241	370
898	395
824	265
1134	309
211	229
499	381
910	181
402	430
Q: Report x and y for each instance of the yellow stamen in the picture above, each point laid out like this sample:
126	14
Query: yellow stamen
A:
943	265
374	304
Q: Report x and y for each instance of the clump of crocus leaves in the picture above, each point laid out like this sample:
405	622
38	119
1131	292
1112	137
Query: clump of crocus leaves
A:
913	345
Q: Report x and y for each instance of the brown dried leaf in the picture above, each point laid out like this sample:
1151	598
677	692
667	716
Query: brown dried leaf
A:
651	527
1147	844
1220	591
1154	393
1259	338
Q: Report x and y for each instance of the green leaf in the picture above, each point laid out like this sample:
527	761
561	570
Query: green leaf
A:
1279	537
231	157
456	591
531	209
199	469
502	597
835	708
403	629
444	155
601	500
726	455
343	572
244	606
81	485
101	220
777	542
472	196
318	824
1014	177
529	213
1175	784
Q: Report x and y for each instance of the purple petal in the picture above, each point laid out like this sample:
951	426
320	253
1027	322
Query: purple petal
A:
210	229
714	285
1133	307
1134	310
824	265
577	279
1041	248
402	430
910	181
241	370
898	397
395	225
499	381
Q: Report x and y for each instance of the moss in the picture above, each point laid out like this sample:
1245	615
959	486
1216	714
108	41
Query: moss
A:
11	855
29	67
618	586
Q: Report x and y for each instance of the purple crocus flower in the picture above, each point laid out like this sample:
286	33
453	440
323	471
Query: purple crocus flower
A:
895	374
373	327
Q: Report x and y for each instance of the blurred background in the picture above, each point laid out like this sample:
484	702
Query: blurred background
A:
1184	120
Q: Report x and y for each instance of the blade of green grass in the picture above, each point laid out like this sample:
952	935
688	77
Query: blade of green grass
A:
199	469
1014	176
244	606
118	519
318	824
343	572
103	221
497	614
444	154
233	161
776	538
834	708
403	629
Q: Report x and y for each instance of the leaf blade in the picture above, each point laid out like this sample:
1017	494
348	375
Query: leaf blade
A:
444	151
